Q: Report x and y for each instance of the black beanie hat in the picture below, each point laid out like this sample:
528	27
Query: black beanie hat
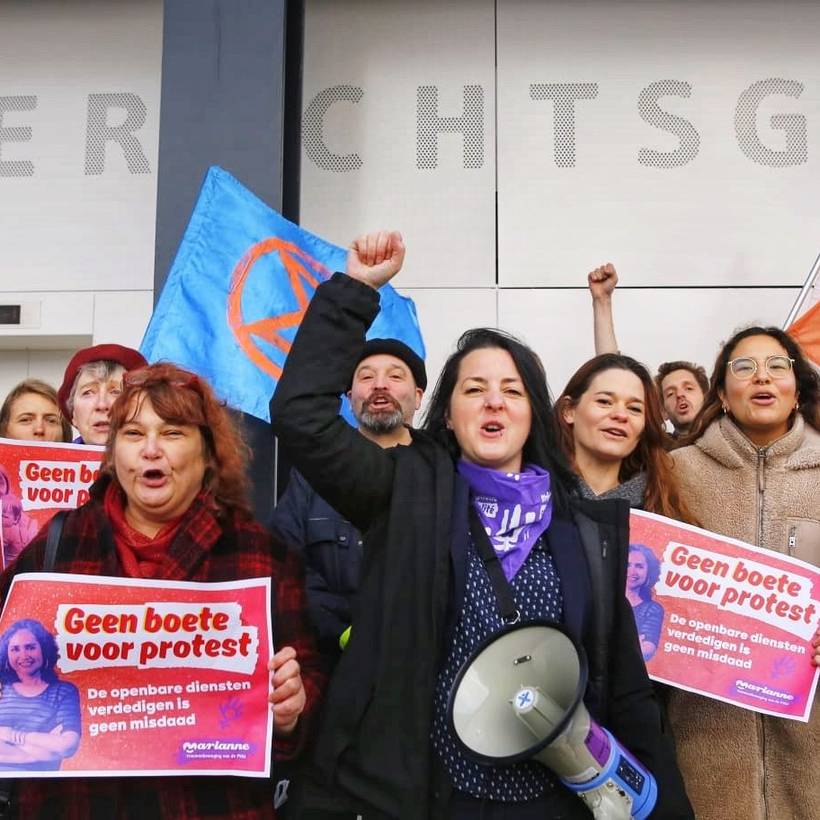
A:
393	347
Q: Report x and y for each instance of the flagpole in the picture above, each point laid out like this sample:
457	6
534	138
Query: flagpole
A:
811	281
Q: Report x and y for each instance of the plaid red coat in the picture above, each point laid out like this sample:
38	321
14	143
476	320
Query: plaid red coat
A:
204	549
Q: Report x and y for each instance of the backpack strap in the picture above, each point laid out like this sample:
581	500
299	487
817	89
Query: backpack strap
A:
55	531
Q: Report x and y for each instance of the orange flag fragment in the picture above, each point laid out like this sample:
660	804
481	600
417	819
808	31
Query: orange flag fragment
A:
806	330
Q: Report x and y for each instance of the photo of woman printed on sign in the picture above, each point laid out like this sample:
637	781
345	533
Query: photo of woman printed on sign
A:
642	573
39	714
17	527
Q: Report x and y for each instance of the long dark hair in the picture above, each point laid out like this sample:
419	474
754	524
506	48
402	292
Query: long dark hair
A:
662	494
805	376
541	447
653	570
48	648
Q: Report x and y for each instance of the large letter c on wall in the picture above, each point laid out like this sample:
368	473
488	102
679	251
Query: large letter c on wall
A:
313	137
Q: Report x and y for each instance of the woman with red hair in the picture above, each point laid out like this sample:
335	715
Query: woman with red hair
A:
171	504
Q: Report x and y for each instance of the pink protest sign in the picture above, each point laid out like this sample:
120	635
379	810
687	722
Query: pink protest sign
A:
119	676
723	618
37	478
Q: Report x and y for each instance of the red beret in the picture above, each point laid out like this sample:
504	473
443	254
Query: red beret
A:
129	358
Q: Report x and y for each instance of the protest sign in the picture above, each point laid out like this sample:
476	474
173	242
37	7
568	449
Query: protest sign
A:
37	479
151	677
727	619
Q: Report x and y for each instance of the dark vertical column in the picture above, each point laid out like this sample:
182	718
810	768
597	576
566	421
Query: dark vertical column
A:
223	103
223	88
292	145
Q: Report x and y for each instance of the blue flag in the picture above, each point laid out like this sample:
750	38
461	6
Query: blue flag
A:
238	288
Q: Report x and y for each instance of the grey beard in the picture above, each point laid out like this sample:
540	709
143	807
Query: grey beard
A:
381	423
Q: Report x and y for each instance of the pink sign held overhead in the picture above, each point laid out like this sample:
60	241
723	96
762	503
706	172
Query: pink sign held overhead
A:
724	618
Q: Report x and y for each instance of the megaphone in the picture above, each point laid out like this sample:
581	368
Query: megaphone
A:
519	696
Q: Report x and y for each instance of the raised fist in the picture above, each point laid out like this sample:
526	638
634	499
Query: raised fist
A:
375	258
602	281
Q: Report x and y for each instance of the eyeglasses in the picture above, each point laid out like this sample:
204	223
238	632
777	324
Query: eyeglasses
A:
778	367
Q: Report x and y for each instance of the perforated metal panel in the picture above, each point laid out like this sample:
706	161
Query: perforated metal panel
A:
313	129
564	97
398	131
651	112
100	132
690	164
79	102
430	123
667	137
12	134
795	150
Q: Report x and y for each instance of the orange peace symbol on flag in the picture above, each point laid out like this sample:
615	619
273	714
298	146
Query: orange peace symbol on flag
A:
300	268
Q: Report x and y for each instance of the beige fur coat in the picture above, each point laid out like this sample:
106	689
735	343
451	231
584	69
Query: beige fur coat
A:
739	765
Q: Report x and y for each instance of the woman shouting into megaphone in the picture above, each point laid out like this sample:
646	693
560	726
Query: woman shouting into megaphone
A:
487	451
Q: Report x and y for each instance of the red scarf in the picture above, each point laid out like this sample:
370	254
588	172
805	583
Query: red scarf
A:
141	556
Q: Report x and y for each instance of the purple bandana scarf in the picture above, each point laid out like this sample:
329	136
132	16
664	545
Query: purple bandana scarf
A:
515	509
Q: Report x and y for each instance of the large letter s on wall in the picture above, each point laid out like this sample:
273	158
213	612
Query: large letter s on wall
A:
652	113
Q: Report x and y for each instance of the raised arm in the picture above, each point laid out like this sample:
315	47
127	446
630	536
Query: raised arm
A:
350	472
602	282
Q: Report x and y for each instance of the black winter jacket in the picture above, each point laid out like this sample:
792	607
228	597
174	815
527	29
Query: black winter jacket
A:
331	548
373	749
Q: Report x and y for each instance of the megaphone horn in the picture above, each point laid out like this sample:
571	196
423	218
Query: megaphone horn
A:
519	696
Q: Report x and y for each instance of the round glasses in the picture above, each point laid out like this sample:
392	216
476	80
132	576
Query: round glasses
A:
778	367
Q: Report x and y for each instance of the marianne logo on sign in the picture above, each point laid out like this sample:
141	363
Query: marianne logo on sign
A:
215	750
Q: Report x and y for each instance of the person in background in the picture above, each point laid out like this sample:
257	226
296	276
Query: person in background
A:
31	412
487	451
642	573
611	431
385	393
681	385
171	504
752	472
92	381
